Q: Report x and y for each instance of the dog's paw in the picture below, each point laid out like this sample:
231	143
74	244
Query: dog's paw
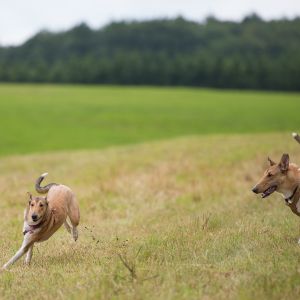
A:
75	234
3	269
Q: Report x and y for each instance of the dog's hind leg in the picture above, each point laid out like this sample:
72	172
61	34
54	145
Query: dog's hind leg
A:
74	216
27	243
67	226
29	255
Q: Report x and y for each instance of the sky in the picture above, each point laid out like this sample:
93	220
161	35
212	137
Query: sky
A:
19	20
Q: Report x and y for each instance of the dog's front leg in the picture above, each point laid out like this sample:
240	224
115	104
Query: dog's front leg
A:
27	243
29	255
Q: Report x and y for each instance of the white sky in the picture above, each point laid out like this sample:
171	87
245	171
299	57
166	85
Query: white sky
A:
20	19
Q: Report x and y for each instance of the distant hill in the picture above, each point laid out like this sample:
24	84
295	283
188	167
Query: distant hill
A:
252	54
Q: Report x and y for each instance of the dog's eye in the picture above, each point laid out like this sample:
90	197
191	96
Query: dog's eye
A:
31	204
41	205
270	174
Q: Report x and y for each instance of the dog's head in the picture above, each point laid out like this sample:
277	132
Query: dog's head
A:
275	178
37	207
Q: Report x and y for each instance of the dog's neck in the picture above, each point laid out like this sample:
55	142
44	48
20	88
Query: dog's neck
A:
289	194
290	199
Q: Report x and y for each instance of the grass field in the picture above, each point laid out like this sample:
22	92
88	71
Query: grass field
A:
164	178
35	118
180	211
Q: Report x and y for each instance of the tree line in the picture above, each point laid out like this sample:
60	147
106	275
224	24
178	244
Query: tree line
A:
250	54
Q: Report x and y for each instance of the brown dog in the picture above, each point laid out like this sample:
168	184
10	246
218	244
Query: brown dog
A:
44	215
284	178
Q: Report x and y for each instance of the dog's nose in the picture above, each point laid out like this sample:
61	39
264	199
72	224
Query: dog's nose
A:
34	217
255	190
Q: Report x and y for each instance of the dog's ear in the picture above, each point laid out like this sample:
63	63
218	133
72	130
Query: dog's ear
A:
46	200
272	163
30	196
284	162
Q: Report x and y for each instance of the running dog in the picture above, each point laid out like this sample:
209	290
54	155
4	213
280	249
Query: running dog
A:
45	215
284	178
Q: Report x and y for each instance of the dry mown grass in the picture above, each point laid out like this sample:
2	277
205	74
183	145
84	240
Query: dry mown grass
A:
167	220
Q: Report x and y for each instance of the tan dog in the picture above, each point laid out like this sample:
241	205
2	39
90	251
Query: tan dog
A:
284	178
44	215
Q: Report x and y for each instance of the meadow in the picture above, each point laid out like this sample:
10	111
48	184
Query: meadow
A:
36	118
166	202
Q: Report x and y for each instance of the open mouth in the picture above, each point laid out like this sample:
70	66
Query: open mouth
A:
269	191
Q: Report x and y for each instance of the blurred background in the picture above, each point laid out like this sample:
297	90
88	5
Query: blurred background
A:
248	44
98	47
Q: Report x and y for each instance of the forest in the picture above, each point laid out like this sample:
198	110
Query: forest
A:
250	54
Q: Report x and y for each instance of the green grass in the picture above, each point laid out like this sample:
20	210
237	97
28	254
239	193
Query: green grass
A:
36	118
180	211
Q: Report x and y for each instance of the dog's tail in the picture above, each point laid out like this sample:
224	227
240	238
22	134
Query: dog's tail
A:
43	189
296	136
